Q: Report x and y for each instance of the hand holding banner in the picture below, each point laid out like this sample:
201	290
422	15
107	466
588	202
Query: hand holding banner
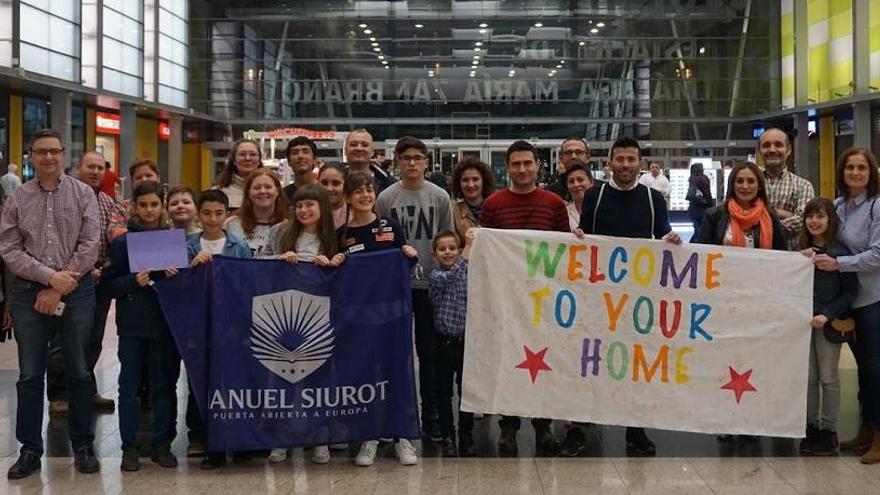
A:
638	333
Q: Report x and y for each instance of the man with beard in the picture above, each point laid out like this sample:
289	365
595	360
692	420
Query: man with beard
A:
622	208
787	192
573	149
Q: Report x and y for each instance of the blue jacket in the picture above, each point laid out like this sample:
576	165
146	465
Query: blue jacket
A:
235	247
138	313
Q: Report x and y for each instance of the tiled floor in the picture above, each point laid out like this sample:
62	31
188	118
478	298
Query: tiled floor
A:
686	463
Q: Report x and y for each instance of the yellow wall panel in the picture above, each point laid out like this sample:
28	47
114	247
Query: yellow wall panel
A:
191	166
788	87
146	144
90	129
818	89
817	10
840	25
16	132
840	77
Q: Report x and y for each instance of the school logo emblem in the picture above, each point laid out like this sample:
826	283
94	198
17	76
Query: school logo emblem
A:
291	333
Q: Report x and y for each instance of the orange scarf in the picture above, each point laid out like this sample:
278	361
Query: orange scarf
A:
742	221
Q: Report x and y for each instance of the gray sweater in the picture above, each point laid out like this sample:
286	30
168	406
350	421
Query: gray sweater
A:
422	213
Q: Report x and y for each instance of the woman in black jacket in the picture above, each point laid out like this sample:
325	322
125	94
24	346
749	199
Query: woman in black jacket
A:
699	196
745	219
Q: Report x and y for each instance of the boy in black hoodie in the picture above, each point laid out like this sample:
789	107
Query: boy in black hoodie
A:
144	338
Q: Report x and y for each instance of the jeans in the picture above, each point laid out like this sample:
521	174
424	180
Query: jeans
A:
56	375
450	361
824	359
163	366
33	331
194	422
423	313
867	354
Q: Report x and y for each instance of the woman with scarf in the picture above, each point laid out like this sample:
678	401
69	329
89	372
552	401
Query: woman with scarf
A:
745	219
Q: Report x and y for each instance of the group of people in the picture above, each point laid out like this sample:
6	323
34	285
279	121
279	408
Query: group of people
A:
64	240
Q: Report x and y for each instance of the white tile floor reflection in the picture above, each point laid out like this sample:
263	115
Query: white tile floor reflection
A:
686	463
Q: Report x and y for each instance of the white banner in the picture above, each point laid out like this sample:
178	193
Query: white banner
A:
638	333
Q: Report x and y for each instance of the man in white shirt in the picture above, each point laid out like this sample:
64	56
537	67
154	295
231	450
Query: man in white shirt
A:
656	180
10	181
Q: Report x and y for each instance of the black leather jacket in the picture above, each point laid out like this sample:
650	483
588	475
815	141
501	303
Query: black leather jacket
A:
717	219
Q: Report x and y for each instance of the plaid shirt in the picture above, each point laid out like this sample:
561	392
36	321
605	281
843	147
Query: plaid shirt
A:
791	193
447	289
42	232
109	210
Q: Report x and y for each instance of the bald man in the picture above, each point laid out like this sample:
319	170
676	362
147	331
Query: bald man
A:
90	170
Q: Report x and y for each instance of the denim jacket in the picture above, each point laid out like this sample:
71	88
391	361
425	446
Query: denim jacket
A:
235	247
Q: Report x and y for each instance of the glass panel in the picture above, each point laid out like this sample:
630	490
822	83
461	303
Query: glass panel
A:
122	57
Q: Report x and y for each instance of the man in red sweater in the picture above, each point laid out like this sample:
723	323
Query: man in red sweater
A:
524	206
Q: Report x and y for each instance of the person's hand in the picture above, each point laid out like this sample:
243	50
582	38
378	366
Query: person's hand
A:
672	238
409	251
202	257
783	214
7	320
322	260
96	274
809	253
170	272
143	278
819	321
64	282
578	232
337	260
469	235
47	301
826	263
289	257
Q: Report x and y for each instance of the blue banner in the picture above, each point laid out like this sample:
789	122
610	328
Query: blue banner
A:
295	355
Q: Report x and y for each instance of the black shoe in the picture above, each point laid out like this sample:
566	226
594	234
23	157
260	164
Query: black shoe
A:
507	443
638	443
823	445
808	444
85	461
575	442
162	456
431	429
214	460
131	459
466	445
545	443
448	448
26	465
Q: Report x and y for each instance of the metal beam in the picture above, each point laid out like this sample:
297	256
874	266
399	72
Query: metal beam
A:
559	120
734	91
683	73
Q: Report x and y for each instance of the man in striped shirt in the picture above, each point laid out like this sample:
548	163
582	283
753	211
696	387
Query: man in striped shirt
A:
90	170
788	193
524	206
49	237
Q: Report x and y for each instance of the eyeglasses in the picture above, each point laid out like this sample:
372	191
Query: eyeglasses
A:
54	152
412	158
574	152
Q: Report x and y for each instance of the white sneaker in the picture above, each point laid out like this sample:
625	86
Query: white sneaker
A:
278	455
406	453
367	453
321	454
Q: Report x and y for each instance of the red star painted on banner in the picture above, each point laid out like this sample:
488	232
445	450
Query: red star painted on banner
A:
739	383
534	362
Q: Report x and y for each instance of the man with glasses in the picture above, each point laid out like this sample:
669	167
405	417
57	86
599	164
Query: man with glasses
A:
423	210
573	149
359	153
49	237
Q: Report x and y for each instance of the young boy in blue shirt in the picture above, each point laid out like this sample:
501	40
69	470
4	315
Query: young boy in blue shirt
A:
447	288
211	209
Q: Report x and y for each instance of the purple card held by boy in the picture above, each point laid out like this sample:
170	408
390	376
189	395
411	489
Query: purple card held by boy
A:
156	250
